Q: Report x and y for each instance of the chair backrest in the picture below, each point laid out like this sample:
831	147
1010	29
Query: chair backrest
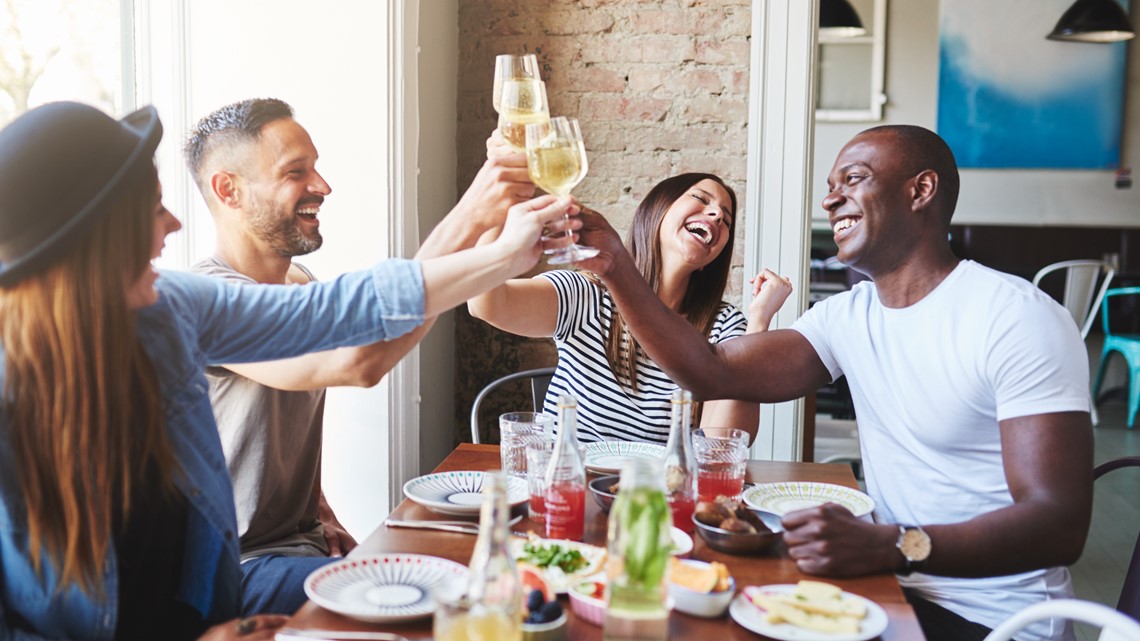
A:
1113	625
1081	295
539	381
1129	602
1112	293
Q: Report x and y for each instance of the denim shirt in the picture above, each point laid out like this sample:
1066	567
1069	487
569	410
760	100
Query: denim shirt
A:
200	321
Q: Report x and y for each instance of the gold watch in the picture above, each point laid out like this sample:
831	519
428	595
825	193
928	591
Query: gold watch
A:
914	545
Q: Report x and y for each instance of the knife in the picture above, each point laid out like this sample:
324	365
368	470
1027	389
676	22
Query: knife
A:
445	526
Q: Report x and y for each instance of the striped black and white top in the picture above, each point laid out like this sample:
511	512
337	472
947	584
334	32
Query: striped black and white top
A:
607	410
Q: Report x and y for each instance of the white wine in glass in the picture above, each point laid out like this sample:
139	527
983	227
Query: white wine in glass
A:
556	162
523	102
511	67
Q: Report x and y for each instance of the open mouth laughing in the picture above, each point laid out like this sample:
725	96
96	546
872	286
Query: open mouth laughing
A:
703	232
843	225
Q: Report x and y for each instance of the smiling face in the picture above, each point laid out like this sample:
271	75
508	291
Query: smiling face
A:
283	190
141	292
696	227
867	204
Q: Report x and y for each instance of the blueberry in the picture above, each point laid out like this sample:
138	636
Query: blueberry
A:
551	611
534	600
534	618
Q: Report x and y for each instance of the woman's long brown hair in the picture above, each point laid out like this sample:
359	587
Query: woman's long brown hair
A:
82	397
705	292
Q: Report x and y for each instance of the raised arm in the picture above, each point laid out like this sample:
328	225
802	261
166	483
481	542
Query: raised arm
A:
763	367
769	291
501	183
1048	465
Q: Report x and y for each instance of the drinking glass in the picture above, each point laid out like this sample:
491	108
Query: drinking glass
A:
720	458
516	429
556	162
458	617
512	67
537	460
523	101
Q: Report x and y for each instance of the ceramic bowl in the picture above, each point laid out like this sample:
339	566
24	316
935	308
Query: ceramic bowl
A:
553	631
600	489
701	604
735	542
590	609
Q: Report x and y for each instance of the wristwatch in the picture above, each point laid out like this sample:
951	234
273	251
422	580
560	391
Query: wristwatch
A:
914	545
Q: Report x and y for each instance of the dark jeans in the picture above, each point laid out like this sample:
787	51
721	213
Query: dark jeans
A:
275	584
940	624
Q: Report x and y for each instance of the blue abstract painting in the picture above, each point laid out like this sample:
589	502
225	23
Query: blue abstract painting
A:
1009	98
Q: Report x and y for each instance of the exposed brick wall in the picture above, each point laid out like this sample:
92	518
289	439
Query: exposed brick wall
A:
660	87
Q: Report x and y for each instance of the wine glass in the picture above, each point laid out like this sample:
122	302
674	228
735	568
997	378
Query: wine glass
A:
511	67
556	162
522	102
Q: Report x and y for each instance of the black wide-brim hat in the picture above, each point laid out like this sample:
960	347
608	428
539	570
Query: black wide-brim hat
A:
58	163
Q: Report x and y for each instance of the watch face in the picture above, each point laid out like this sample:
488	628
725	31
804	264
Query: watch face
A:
915	545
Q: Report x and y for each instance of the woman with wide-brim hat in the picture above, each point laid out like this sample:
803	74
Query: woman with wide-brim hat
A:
116	511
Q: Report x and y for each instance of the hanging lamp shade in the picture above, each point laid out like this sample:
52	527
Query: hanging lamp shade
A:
837	18
1093	21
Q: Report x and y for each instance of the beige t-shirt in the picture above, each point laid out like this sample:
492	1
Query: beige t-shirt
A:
272	442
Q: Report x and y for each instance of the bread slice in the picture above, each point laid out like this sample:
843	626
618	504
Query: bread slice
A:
780	611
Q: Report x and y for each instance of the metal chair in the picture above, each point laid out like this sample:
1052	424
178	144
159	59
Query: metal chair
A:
1129	602
1081	277
1113	625
1128	346
539	381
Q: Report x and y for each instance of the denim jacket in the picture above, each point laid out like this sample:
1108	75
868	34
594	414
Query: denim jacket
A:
199	321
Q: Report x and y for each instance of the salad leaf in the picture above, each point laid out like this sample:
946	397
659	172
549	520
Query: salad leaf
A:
545	556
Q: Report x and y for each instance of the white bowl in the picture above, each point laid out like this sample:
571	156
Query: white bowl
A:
701	604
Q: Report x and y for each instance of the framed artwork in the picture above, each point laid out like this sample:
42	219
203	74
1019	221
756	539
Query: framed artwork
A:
1009	98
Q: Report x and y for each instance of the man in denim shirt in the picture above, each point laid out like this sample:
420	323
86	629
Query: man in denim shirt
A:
255	167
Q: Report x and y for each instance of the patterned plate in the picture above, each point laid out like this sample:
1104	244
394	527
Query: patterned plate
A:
781	498
751	616
382	588
606	457
459	493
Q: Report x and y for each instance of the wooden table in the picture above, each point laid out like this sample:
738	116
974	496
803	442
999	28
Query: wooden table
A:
770	567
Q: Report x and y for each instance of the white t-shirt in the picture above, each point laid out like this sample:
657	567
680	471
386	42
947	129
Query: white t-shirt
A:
607	410
930	383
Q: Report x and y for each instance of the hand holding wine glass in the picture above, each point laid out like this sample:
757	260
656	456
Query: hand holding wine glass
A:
556	161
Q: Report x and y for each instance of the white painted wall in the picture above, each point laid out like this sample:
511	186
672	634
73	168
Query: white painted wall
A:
1006	197
330	64
438	82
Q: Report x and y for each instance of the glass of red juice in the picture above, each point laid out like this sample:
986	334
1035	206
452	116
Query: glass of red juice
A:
682	504
721	455
537	459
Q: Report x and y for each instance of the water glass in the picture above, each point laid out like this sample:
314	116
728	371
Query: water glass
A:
537	460
720	455
516	429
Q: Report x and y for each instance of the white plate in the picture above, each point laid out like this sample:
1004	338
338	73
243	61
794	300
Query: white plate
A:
789	496
607	457
459	493
558	580
682	542
749	615
382	588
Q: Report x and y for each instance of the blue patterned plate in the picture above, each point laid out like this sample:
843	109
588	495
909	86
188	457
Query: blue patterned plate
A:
606	457
789	496
459	493
382	588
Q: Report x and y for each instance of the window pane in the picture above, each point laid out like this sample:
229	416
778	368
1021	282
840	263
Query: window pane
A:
60	50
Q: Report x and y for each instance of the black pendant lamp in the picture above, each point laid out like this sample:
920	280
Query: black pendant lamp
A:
1093	21
837	18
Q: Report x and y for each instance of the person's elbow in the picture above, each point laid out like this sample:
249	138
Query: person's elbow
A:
359	367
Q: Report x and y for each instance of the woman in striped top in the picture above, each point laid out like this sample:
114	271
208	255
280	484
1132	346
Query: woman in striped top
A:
681	239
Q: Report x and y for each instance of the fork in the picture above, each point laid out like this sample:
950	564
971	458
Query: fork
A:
463	527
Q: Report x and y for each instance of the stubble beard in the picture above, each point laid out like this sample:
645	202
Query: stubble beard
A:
278	228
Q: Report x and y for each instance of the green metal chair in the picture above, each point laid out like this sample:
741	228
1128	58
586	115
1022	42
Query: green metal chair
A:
1128	346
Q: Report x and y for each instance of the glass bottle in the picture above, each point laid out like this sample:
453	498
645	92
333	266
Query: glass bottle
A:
494	590
680	463
566	478
639	543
